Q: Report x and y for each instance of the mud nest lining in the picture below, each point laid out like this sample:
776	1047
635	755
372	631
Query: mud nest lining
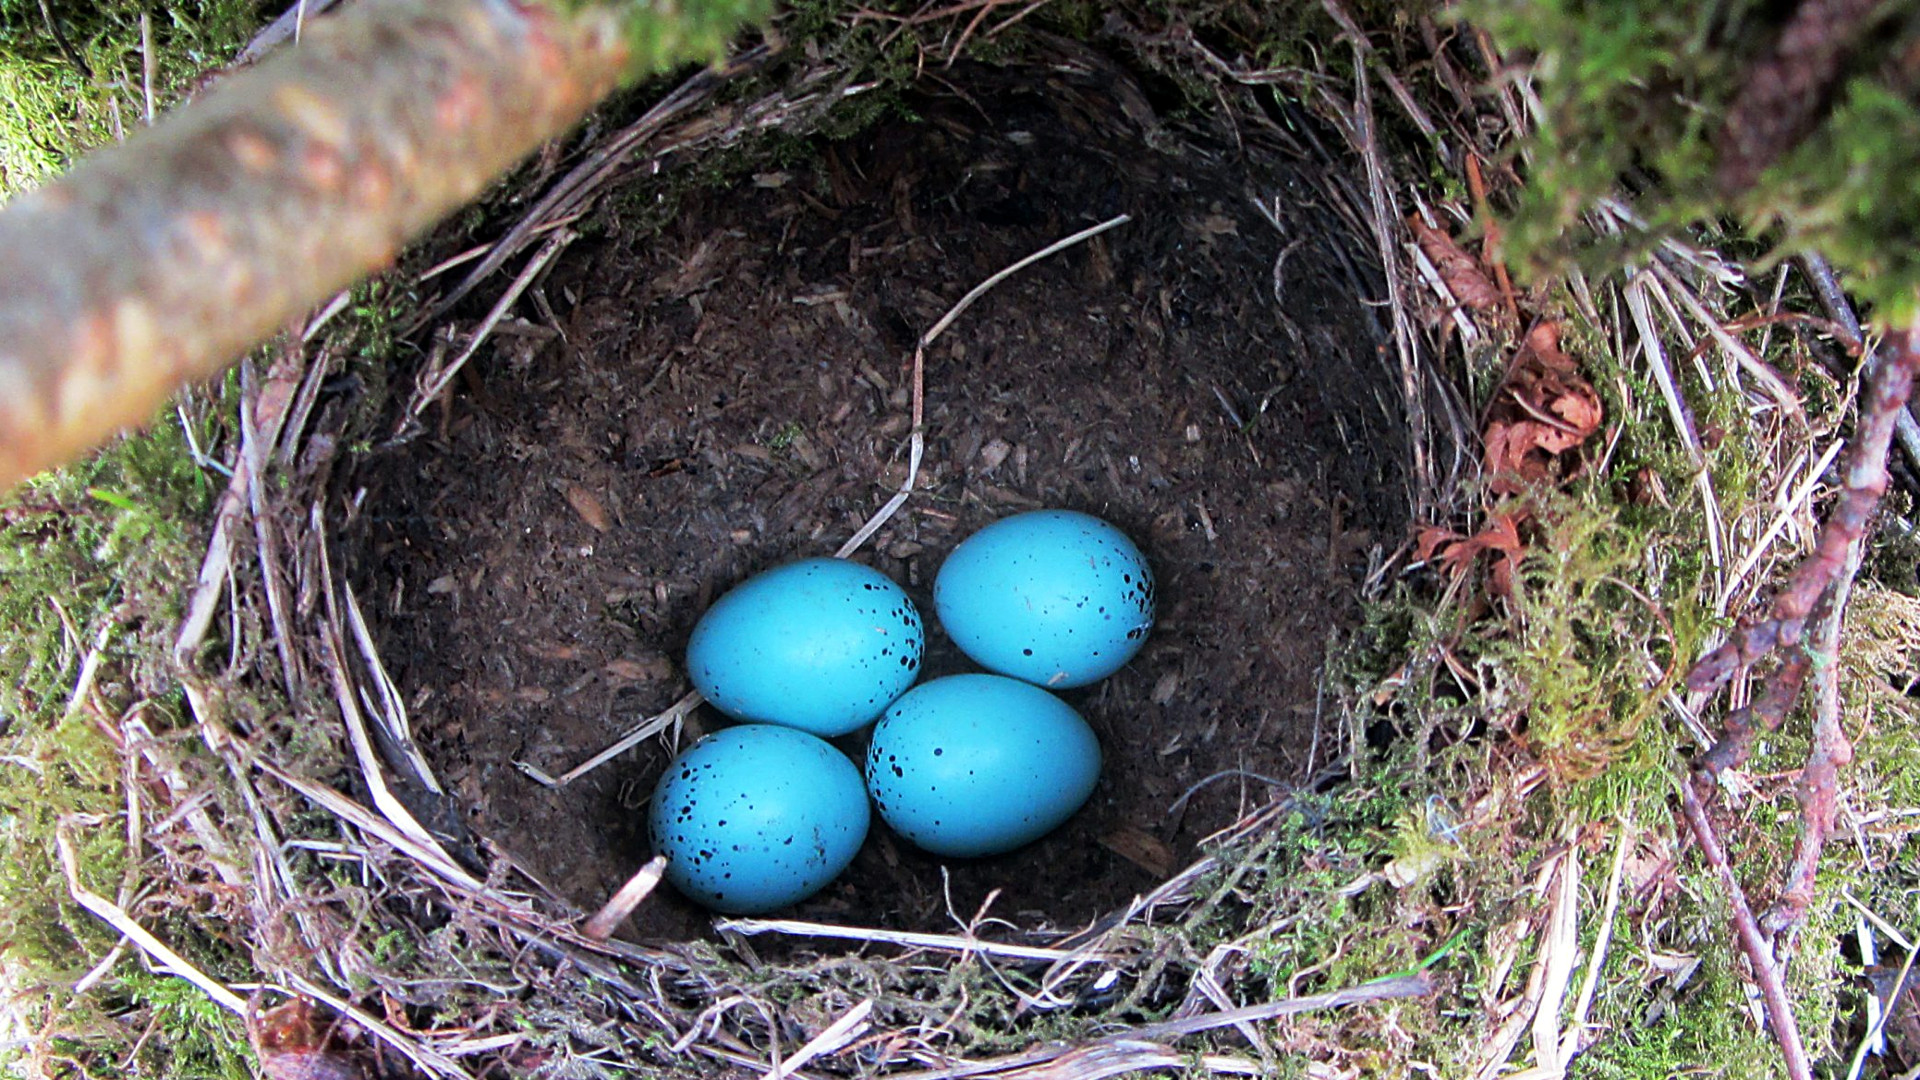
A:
729	391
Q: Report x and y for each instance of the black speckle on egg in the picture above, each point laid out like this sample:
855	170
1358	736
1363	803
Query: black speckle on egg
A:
1026	652
937	751
899	772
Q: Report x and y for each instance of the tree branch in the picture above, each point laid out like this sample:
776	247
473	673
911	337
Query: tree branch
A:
1889	384
157	261
1759	954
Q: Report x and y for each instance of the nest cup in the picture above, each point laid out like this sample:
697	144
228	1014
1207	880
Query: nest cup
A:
731	390
714	372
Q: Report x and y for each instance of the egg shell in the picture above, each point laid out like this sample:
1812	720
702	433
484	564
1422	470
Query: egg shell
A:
822	645
757	817
1055	597
972	765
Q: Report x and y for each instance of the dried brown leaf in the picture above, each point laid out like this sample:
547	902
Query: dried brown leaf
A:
1142	849
1545	412
1462	273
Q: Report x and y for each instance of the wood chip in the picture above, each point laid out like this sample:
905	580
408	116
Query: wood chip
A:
640	669
587	505
1142	849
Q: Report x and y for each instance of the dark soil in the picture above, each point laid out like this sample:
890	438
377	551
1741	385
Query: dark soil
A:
732	393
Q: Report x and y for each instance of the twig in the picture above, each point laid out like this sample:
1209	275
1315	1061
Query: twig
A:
647	729
837	1034
1769	380
393	719
1635	295
1888	385
1759	955
1384	214
428	855
115	916
917	441
1575	1039
66	47
949	942
1138	1049
284	28
1877	1025
149	62
427	1060
637	888
1826	286
435	383
1735	744
571	193
1560	952
385	799
1817	468
1817	790
1403	986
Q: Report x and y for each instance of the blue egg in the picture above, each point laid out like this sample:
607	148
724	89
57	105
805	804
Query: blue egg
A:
757	817
973	765
823	645
1055	597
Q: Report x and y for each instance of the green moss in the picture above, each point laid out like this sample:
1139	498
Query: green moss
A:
51	110
666	35
1635	96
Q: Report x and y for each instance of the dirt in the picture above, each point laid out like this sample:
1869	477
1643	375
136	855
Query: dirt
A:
732	392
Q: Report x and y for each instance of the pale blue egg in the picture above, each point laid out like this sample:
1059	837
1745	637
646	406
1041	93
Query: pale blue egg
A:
973	765
757	817
1055	597
822	645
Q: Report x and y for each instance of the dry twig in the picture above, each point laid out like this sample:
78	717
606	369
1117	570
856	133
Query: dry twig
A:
1752	943
1888	386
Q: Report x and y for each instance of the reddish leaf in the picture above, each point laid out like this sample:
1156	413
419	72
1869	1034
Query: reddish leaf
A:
1461	271
1500	539
1545	412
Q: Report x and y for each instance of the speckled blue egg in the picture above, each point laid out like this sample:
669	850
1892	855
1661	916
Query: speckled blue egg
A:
757	817
973	765
823	645
1055	597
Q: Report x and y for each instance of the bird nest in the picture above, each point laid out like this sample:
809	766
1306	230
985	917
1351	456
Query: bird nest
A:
813	305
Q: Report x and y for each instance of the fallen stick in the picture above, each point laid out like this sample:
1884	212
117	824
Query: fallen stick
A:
1759	953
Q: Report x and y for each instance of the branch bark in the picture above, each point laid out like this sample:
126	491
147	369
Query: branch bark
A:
1773	992
1889	384
157	261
